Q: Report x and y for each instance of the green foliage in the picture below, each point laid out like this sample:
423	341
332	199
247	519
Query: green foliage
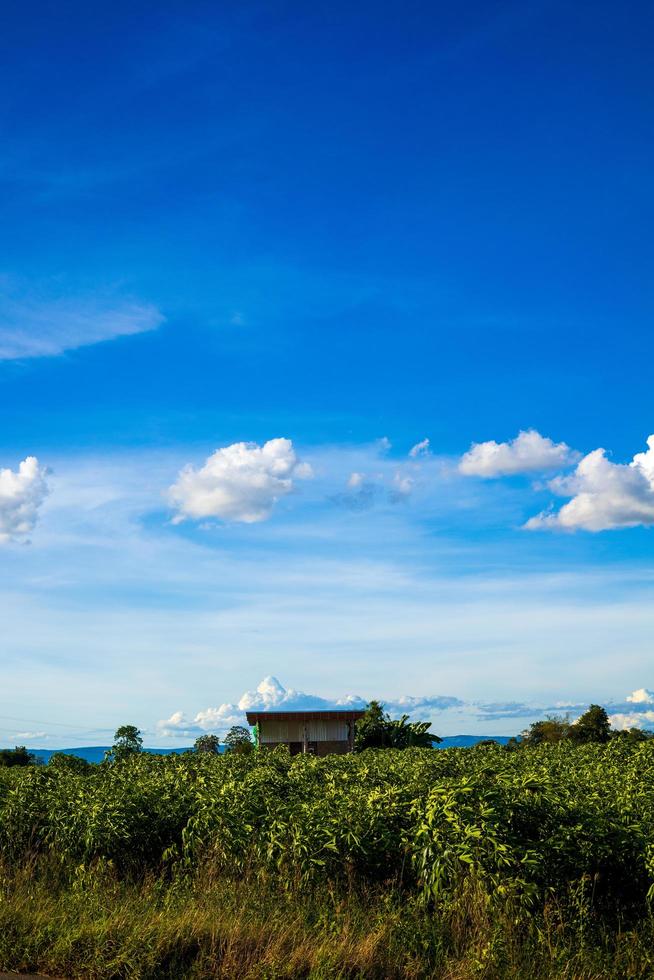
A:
523	824
17	757
376	730
633	734
207	743
72	763
551	844
238	740
549	731
593	726
127	742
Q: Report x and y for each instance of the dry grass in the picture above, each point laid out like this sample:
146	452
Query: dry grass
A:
89	924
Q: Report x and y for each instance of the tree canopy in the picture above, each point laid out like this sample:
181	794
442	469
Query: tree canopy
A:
207	743
66	760
592	726
548	731
127	742
238	739
377	730
17	757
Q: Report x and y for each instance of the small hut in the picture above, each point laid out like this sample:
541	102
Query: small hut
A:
314	732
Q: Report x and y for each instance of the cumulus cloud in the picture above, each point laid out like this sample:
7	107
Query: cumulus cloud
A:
208	720
420	449
270	694
641	696
21	494
241	482
636	711
36	323
605	495
529	452
621	721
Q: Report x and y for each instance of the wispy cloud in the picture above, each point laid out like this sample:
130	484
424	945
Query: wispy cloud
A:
420	449
43	320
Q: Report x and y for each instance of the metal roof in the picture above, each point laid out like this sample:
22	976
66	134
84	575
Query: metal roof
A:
348	714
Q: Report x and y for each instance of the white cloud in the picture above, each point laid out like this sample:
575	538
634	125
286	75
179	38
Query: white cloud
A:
622	720
225	715
270	694
30	736
177	726
241	482
641	696
21	495
36	323
208	720
418	707
604	495
529	452
420	449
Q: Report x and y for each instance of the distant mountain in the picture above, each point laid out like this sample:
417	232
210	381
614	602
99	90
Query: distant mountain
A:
95	753
465	741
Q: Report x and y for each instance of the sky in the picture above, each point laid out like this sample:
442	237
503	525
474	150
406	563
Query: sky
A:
325	357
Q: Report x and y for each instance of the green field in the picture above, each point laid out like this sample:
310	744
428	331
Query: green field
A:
459	863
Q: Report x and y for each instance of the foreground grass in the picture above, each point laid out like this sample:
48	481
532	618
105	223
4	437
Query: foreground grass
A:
88	923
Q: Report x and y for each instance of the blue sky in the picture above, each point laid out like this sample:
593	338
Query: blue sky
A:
352	230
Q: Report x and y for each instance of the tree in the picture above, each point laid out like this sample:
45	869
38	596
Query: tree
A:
17	757
377	730
371	731
207	744
69	762
238	740
552	729
127	742
405	734
633	734
593	726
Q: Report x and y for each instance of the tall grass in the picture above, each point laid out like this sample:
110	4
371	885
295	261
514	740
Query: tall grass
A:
91	924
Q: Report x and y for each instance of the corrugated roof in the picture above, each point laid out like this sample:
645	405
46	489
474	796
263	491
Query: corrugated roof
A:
349	714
